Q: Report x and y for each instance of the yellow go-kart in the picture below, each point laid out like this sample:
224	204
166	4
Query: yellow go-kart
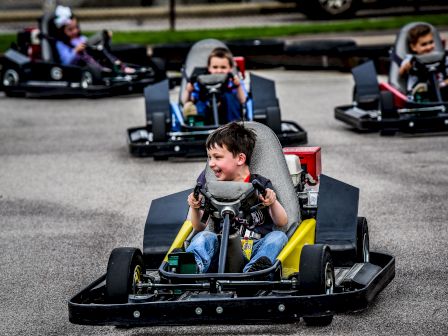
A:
325	268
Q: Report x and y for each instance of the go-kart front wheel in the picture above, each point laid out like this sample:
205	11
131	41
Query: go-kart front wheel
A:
124	271
316	275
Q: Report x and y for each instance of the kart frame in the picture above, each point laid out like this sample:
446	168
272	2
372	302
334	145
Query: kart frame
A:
285	302
282	307
158	139
382	107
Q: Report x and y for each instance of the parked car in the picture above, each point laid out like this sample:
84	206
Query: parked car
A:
338	9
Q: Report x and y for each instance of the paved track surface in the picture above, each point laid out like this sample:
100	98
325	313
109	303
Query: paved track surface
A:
70	193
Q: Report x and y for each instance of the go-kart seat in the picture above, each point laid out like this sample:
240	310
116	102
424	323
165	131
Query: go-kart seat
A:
196	61
268	160
401	49
48	39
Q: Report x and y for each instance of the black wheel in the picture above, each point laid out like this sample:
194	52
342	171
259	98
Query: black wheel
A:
158	127
273	119
10	78
86	79
387	105
124	270
328	9
362	241
316	275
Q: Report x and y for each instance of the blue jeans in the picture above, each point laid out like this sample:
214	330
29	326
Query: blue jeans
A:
205	247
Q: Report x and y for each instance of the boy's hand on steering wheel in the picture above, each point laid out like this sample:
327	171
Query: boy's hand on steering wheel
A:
269	198
236	80
193	202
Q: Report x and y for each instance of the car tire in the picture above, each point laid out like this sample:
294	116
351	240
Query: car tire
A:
10	81
362	241
321	9
316	274
124	270
158	127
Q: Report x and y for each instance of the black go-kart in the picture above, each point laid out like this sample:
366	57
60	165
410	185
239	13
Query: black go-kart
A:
385	107
325	268
169	133
32	67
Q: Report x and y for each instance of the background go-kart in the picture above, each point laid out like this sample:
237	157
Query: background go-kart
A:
70	192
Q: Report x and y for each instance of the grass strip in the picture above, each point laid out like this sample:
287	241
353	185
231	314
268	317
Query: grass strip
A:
241	33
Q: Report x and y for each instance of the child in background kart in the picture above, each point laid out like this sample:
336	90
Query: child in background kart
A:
220	61
421	41
71	45
229	151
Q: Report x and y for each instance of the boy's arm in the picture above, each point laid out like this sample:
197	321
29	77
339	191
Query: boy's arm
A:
405	65
195	214
240	90
276	210
186	95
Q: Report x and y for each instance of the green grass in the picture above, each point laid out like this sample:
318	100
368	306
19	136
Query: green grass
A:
355	25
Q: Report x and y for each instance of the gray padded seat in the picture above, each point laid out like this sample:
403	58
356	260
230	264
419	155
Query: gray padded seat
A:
268	160
401	49
197	58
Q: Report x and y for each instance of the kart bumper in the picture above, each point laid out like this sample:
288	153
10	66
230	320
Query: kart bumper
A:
427	121
192	143
43	89
89	307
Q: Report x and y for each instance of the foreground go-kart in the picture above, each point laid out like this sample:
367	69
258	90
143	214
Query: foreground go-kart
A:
325	268
385	107
32	67
168	133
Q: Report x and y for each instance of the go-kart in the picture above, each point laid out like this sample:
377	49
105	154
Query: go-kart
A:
32	67
386	107
325	268
169	133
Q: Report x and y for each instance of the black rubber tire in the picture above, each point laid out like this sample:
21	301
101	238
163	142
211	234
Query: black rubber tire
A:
315	272
87	79
124	263
362	241
11	90
273	119
314	10
158	127
387	104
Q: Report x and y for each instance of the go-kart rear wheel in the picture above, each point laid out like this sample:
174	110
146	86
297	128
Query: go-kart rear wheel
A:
362	241
124	271
158	127
86	79
316	275
10	77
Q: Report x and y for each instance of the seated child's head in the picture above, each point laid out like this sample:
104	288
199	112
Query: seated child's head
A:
66	23
229	150
220	61
421	39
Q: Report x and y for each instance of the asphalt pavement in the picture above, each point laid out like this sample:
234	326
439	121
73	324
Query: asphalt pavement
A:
70	192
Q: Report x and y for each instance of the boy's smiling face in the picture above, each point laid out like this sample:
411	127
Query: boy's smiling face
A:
424	45
224	164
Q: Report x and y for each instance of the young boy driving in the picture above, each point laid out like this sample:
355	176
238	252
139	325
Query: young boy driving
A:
220	61
421	41
229	151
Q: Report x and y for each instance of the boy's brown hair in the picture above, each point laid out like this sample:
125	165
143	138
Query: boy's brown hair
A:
221	53
418	31
236	138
